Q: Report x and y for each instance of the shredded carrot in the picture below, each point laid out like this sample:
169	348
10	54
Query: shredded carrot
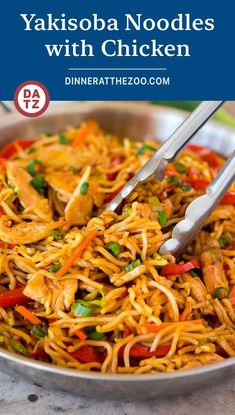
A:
231	296
185	313
155	328
81	335
80	137
171	171
232	292
76	253
28	315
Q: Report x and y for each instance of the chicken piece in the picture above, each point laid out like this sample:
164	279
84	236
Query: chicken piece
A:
63	293
204	242
25	232
28	196
37	289
79	208
98	197
197	288
59	157
213	271
64	183
59	295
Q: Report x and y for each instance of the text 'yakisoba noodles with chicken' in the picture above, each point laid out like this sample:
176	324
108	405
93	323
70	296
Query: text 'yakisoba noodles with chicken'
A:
85	288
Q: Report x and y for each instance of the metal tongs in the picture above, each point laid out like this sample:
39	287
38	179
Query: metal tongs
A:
199	210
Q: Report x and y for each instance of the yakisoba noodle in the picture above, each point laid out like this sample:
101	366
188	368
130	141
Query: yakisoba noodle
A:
86	288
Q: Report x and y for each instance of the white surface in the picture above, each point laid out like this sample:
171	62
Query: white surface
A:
219	400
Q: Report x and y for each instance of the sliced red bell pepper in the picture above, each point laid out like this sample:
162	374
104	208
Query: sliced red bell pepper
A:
141	352
87	354
12	147
174	269
127	331
52	320
10	298
197	184
40	353
206	154
201	184
231	247
228	199
115	162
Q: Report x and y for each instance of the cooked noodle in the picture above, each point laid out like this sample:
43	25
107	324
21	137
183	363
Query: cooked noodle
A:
85	288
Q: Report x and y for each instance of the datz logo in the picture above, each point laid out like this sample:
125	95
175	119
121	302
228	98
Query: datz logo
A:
116	47
31	98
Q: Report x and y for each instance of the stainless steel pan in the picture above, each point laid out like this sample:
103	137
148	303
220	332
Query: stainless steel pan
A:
136	121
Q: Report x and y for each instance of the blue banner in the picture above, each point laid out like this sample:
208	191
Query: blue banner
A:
125	50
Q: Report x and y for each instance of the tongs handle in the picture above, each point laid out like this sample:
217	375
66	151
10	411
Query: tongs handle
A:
199	210
168	151
188	128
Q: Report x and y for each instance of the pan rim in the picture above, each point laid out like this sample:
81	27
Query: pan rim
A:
11	119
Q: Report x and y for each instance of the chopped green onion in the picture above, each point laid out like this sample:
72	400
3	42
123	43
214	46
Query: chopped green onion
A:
174	180
86	308
40	329
1	339
31	150
21	208
162	218
225	240
94	335
82	310
133	265
193	274
84	188
54	268
33	167
58	234
185	187
180	167
48	134
221	292
63	139
154	201
142	149
127	212
74	170
96	303
18	347
39	184
92	300
113	248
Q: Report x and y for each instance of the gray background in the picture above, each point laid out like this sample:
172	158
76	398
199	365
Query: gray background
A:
16	395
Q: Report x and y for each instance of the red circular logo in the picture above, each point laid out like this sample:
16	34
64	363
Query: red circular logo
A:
31	98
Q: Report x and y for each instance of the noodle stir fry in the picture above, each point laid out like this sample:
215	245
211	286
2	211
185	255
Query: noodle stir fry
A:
85	288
